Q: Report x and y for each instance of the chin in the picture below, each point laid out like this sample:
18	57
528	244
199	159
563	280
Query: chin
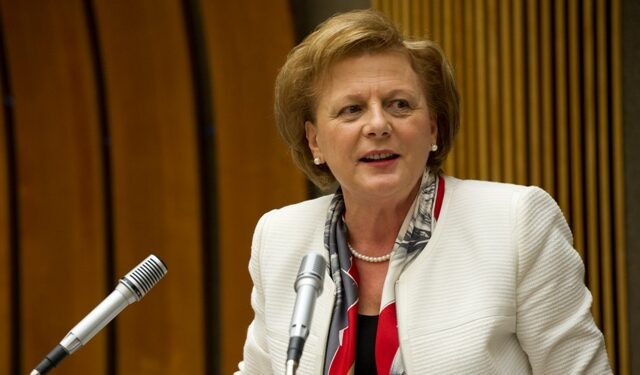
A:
389	187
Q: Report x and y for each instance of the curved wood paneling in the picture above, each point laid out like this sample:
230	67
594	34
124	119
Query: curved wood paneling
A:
548	147
603	167
618	188
459	56
506	101
59	173
533	93
561	114
481	102
519	98
495	132
469	90
448	46
588	131
575	130
156	186
5	255
247	43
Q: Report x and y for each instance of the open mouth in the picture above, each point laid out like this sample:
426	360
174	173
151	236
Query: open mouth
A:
379	157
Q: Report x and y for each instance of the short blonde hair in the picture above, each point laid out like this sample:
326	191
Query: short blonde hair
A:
345	35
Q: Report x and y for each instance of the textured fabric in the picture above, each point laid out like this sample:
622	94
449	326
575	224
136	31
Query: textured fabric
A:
341	344
497	290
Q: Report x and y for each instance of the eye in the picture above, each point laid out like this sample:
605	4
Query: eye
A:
400	105
350	110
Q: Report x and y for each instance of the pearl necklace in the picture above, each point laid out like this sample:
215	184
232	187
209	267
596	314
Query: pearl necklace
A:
366	258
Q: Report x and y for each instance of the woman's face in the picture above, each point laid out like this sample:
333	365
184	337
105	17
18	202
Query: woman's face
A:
373	127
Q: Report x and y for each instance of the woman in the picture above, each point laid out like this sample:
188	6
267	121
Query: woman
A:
427	274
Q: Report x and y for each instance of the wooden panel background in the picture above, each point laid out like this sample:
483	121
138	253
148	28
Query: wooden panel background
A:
254	167
6	360
59	186
108	101
540	86
155	181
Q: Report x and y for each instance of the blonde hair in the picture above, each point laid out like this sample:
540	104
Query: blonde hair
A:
345	35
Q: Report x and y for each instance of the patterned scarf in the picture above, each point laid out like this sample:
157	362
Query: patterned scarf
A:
341	344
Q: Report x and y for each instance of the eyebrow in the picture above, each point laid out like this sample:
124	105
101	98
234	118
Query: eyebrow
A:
394	92
407	91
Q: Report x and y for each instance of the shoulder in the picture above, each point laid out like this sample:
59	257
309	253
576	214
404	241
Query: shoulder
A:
477	187
281	238
298	227
300	213
487	192
478	200
309	206
491	207
527	213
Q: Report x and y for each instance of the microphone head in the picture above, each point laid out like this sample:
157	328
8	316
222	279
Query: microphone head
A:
311	271
308	287
145	276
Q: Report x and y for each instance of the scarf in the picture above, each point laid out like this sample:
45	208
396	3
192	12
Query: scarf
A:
341	343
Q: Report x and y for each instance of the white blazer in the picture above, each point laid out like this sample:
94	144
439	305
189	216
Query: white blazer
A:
498	289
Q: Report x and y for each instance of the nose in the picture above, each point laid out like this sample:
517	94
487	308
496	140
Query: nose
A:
377	124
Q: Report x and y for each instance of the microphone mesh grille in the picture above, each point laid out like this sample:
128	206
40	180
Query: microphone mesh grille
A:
147	274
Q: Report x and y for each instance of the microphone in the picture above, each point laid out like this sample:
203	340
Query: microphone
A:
308	287
131	288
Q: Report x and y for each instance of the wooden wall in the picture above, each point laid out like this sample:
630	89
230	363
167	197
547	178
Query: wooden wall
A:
244	62
130	128
540	82
59	197
6	323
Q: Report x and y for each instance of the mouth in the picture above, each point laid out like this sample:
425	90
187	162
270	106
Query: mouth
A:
377	157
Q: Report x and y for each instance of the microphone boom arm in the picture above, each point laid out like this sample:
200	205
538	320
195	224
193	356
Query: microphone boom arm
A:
131	288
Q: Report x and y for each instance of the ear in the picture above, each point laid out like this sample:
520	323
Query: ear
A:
433	127
312	139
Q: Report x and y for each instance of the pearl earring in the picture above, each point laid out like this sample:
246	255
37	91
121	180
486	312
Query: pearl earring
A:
317	161
434	147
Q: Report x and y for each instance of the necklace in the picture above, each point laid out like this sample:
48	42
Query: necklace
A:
366	258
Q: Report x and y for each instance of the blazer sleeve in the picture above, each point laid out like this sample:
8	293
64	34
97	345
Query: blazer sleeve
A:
256	355
554	323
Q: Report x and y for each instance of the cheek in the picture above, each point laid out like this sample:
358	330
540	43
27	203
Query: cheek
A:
321	138
336	140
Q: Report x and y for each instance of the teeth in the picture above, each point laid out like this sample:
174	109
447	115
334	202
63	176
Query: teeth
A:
378	156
